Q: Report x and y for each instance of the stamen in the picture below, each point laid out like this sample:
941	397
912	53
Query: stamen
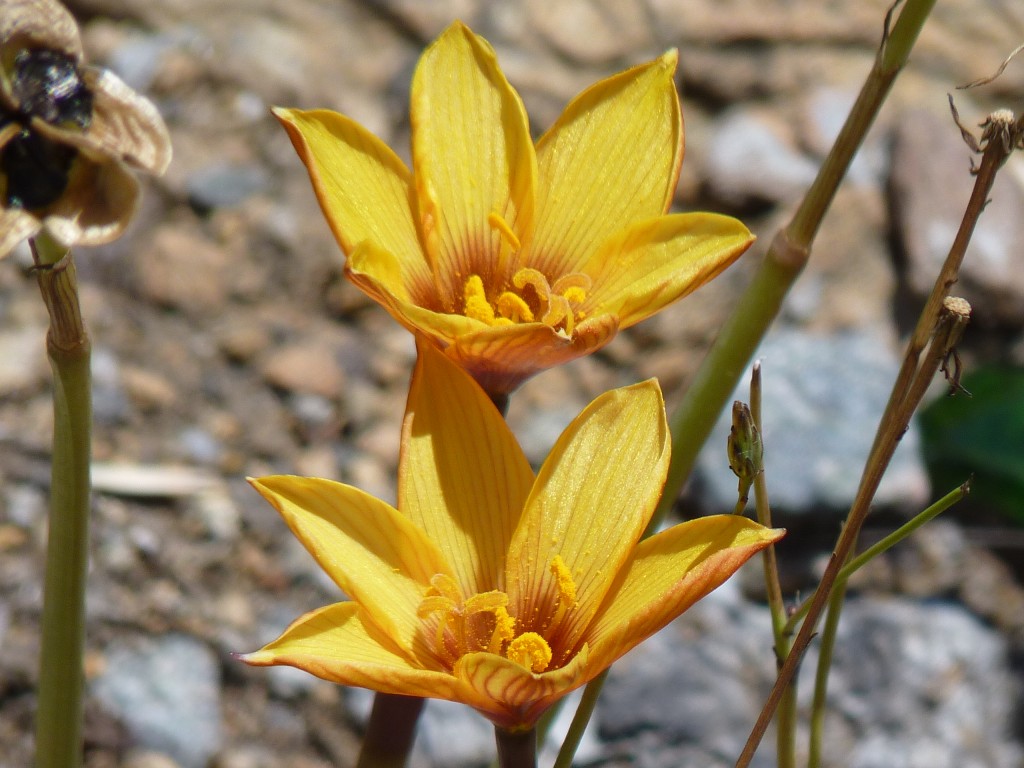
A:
512	306
559	312
498	222
565	581
566	589
475	301
531	651
509	245
504	630
572	280
535	279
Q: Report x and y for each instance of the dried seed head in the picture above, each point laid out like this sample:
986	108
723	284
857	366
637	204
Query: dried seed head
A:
67	133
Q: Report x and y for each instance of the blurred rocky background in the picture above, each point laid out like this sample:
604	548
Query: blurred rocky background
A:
228	344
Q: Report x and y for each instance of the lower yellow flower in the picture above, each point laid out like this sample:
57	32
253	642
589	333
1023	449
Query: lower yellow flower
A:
490	586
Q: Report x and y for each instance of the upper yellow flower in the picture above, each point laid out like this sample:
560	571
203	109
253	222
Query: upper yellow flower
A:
68	133
513	258
489	586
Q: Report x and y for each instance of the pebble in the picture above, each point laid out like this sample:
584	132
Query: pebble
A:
913	684
931	186
166	692
753	158
225	186
305	366
822	397
184	270
23	352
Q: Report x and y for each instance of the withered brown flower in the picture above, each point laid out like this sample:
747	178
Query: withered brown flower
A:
68	133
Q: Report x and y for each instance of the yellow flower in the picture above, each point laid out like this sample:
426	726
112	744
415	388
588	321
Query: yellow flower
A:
510	257
68	133
490	586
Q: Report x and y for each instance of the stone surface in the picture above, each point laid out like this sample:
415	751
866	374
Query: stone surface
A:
913	684
166	694
931	187
821	400
229	263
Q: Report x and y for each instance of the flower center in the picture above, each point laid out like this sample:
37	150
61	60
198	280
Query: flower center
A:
529	296
482	622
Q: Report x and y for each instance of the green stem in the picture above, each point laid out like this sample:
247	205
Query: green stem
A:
516	749
580	720
830	629
390	731
728	357
785	721
884	545
61	681
829	633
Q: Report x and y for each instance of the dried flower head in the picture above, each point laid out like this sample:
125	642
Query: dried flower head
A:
68	133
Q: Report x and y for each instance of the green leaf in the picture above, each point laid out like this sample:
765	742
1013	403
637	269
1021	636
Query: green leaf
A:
981	435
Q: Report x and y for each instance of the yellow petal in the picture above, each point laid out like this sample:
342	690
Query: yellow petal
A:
500	359
380	274
363	187
375	554
336	643
462	477
649	265
612	158
589	505
473	157
668	573
510	695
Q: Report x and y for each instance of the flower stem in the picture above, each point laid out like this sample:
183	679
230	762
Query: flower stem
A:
516	749
785	722
61	681
720	371
390	731
580	720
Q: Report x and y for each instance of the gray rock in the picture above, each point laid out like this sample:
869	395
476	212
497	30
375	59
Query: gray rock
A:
930	186
754	158
23	351
822	396
166	693
920	685
913	684
225	186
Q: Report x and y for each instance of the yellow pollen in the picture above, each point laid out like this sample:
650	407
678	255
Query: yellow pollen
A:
566	589
476	305
575	295
554	305
504	630
531	651
566	584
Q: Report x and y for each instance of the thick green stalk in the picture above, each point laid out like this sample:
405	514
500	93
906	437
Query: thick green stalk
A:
516	749
61	681
739	338
580	720
390	732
